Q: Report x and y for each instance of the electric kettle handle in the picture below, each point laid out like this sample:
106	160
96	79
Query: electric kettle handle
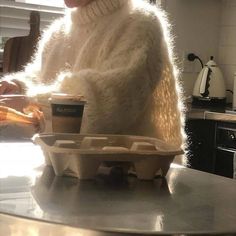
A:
204	85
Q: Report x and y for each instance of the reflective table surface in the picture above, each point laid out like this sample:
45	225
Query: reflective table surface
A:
185	202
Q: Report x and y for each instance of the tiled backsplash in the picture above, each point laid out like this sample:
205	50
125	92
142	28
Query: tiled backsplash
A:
206	28
227	42
196	29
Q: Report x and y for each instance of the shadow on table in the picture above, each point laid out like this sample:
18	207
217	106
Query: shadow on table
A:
107	193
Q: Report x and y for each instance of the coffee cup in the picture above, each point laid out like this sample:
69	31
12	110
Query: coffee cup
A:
67	113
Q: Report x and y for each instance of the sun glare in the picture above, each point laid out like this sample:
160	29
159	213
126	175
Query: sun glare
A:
19	159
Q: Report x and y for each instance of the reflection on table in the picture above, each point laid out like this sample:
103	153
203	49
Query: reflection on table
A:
186	201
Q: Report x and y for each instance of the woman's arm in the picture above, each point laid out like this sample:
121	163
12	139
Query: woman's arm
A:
119	92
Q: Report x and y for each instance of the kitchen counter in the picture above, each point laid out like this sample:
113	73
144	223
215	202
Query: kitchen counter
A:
185	202
220	114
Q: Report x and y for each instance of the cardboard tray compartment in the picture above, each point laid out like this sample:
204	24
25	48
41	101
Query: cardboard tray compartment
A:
80	155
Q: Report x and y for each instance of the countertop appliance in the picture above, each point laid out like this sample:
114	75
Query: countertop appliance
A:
209	88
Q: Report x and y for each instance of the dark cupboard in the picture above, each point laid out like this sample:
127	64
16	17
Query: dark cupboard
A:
212	145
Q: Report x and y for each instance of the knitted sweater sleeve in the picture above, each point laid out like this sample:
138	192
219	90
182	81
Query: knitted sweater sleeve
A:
119	91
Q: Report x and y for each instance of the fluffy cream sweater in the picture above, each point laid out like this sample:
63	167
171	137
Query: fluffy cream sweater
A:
117	54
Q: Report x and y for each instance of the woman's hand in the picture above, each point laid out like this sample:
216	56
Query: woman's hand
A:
9	87
17	102
32	116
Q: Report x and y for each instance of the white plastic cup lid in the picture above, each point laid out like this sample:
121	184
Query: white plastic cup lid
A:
62	98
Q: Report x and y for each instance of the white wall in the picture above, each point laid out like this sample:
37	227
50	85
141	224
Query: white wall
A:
196	29
227	42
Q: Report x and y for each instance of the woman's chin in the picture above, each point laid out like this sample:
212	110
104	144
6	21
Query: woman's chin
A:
72	3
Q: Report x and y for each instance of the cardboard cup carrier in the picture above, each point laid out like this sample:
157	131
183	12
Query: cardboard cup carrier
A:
80	155
67	113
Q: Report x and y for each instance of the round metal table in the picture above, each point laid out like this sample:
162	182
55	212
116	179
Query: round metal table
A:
185	202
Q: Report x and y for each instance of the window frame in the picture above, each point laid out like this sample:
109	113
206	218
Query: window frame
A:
62	5
14	16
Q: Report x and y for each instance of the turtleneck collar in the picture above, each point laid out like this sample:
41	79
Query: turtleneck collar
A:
94	10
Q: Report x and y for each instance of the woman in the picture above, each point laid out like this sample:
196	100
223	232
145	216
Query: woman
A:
117	53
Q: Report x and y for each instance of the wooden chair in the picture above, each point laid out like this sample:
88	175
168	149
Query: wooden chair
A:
19	50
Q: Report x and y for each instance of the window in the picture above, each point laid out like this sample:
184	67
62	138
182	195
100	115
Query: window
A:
55	3
14	17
